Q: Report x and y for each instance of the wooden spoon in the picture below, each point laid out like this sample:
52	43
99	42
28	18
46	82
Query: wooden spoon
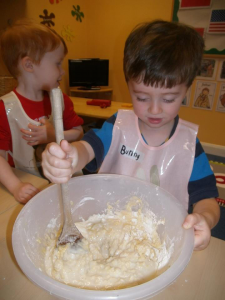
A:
69	233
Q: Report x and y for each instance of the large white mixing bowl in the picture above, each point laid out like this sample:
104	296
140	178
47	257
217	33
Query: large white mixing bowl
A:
90	195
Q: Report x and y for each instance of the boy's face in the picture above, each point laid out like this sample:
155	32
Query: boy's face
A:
156	106
49	72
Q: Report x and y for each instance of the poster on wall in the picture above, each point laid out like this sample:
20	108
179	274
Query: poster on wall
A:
204	95
220	106
186	101
208	69
207	17
221	70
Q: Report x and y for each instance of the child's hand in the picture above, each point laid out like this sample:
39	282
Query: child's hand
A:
39	134
23	192
201	230
59	162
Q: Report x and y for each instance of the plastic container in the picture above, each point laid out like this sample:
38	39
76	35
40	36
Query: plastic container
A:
89	195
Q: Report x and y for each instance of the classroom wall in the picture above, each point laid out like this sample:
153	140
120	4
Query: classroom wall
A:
102	33
110	22
74	32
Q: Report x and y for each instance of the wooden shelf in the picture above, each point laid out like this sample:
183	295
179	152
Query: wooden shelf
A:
103	93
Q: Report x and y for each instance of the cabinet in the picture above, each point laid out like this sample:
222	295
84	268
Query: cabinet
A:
103	93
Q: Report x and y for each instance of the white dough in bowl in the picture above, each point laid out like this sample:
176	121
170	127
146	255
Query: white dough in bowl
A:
120	249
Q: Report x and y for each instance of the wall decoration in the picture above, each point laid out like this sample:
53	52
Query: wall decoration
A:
207	17
217	22
47	19
195	3
76	12
67	33
53	1
221	99
208	69
221	71
186	100
204	94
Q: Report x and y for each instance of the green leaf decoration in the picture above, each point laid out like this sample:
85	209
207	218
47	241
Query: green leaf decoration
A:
76	12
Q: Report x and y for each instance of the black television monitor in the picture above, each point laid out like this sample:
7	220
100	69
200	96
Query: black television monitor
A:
88	73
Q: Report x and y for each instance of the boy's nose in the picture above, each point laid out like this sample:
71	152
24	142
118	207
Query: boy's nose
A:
155	108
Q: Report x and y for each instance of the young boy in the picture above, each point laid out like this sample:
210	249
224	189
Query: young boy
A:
33	54
161	60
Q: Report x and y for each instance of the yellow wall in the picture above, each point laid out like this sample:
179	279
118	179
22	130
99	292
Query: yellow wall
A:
102	33
110	22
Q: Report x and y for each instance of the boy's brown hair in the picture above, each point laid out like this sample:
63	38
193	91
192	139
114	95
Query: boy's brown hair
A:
27	38
163	53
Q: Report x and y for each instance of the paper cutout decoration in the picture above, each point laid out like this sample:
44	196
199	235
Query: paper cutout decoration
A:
217	21
76	12
195	3
53	1
47	19
67	33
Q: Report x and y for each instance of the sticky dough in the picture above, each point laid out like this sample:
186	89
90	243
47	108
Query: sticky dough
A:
120	249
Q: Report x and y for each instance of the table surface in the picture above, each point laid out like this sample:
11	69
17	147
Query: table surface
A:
82	109
203	278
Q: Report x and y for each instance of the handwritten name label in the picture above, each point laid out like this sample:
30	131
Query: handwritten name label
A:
131	153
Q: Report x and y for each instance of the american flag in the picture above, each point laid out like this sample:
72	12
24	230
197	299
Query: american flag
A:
217	21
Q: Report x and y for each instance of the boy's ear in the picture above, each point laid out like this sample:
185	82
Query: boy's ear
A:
27	64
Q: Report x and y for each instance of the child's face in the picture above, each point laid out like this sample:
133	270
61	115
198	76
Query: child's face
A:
156	106
49	72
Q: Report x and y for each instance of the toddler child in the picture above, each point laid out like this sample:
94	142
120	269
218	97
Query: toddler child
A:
33	54
150	142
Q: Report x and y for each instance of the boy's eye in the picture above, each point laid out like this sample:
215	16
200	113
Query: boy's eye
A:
168	100
141	99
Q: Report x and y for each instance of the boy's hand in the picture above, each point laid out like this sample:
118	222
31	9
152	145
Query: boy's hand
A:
59	162
23	192
39	134
201	230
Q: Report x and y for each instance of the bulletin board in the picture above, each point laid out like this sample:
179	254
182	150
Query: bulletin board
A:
208	18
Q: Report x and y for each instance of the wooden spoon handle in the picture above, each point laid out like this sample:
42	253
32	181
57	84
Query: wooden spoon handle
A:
57	111
70	233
